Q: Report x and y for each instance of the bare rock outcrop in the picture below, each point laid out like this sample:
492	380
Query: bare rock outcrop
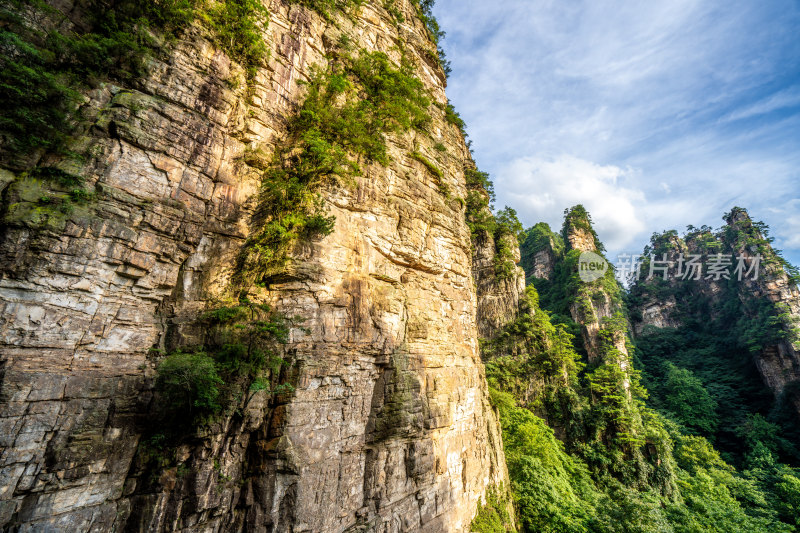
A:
498	297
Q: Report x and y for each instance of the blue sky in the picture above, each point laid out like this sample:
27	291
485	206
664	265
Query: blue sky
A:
654	115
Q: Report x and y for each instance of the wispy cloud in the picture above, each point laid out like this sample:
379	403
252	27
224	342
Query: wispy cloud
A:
689	105
788	233
545	187
778	101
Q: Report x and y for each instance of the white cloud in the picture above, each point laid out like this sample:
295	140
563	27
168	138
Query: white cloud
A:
540	189
659	87
791	233
595	77
788	232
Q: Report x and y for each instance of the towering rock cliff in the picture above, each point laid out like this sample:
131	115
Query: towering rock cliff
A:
593	304
755	301
499	296
598	401
588	447
385	424
778	360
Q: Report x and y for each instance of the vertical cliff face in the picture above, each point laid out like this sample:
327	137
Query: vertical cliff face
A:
498	297
591	303
582	379
756	309
778	361
539	250
389	426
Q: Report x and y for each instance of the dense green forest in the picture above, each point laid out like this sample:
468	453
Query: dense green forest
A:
680	435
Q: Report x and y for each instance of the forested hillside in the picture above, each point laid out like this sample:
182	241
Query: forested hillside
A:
669	429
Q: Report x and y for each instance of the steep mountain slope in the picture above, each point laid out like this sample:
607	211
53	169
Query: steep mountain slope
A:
587	449
728	328
594	310
226	306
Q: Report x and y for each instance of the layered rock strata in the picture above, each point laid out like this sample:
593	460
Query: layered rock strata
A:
389	427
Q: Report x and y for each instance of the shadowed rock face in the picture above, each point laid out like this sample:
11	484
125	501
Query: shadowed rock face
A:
498	299
779	364
389	428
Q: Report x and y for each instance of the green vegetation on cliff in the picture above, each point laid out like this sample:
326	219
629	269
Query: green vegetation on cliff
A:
435	33
595	407
47	59
589	449
239	354
578	218
556	489
503	226
702	372
349	108
494	515
562	291
327	8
